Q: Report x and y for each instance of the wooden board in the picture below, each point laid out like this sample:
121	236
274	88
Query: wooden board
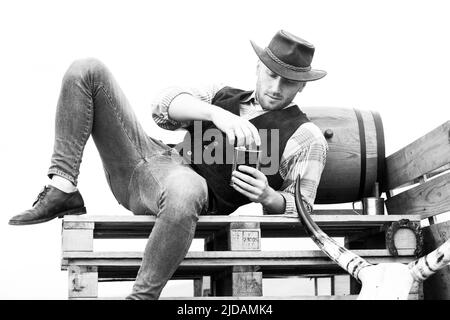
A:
78	240
123	266
129	226
83	281
244	236
212	255
223	220
426	154
199	259
427	199
437	287
246	284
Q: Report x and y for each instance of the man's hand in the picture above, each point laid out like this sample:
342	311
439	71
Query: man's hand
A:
252	183
236	128
185	107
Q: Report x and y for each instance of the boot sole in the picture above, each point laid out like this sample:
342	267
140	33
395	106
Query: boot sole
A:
75	212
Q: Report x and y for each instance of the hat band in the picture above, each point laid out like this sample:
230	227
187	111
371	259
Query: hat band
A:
275	58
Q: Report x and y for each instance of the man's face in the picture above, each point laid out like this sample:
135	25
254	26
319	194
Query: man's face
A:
274	92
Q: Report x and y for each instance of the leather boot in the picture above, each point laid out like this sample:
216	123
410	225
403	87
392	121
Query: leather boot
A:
51	203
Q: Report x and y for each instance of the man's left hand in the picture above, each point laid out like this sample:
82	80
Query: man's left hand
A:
253	184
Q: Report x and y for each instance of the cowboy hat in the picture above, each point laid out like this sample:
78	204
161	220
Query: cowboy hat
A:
290	57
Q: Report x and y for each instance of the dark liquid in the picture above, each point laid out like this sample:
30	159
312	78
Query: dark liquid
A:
245	157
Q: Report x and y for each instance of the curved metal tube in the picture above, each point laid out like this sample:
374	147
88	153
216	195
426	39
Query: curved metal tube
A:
346	259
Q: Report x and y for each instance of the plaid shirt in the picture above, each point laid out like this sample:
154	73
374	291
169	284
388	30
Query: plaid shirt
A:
304	155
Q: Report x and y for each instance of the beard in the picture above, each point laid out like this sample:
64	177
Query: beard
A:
270	103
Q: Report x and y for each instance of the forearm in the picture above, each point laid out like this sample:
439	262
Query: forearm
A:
186	107
163	103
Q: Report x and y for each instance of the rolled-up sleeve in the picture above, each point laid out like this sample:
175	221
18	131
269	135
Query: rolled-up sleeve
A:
304	156
161	104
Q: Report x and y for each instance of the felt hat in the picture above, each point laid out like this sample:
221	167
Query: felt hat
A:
290	57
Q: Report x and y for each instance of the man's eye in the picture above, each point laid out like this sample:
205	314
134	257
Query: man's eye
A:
290	82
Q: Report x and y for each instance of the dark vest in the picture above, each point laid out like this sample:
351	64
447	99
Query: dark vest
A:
224	198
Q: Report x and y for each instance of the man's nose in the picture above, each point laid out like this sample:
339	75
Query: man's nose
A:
276	85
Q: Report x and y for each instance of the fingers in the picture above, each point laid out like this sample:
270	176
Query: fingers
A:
242	191
252	171
230	136
245	186
236	135
240	136
251	134
255	187
246	134
240	132
255	134
244	177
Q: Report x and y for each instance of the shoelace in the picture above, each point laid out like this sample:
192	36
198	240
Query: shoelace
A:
41	194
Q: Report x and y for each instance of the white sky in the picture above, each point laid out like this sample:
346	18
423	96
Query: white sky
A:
389	56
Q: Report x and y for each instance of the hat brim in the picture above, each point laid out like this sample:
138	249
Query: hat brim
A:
284	72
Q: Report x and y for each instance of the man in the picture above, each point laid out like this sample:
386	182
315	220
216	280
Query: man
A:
148	177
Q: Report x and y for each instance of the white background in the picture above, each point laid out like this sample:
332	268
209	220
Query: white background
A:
389	56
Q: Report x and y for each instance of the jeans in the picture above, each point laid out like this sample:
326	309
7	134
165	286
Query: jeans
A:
146	176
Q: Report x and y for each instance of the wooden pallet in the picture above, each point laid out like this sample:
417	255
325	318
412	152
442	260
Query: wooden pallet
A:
232	259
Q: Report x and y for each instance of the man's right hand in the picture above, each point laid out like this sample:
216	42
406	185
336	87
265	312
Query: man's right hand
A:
186	107
237	129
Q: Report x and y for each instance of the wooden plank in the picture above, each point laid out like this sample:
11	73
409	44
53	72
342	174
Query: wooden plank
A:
220	221
78	240
437	287
432	173
417	288
202	287
231	254
341	285
426	154
227	219
124	226
83	282
427	199
239	280
245	239
203	263
247	284
78	224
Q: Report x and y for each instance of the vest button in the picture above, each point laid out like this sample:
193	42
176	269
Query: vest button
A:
189	153
216	143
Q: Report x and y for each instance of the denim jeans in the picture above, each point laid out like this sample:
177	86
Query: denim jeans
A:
146	176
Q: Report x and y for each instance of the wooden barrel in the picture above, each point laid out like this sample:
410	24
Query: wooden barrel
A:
355	160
